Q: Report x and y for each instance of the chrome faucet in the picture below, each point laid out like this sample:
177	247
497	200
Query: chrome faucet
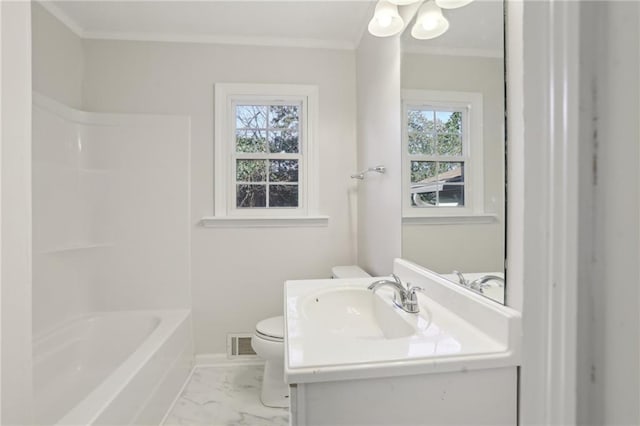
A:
480	284
404	298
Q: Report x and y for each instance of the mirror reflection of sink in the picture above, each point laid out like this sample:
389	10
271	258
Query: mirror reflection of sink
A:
492	289
357	312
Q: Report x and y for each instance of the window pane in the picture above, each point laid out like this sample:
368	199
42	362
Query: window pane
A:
424	185
449	144
437	184
420	121
451	172
251	170
283	141
283	196
283	117
251	116
448	122
421	132
422	143
423	170
251	141
251	196
283	170
423	199
451	196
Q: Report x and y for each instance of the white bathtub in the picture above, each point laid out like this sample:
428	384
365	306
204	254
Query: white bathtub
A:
113	368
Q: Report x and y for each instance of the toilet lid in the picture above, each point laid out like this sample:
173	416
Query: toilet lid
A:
271	327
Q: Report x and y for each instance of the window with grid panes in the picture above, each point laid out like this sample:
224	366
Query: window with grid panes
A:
267	156
263	149
442	154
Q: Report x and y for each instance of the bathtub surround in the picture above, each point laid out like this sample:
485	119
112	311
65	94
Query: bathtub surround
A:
110	234
224	395
111	209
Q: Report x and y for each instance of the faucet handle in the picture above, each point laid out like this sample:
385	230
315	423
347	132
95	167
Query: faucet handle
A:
412	289
463	281
411	304
397	279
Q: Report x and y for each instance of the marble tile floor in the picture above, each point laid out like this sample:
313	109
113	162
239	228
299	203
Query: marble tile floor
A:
225	395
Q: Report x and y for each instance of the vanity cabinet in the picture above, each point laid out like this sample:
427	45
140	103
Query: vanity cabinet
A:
475	397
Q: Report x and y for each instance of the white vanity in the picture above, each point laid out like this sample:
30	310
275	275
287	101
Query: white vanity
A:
353	358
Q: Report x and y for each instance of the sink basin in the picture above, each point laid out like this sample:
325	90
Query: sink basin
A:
355	312
338	329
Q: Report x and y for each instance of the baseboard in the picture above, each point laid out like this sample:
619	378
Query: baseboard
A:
222	360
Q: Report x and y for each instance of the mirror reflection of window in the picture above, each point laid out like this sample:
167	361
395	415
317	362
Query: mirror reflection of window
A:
442	153
434	138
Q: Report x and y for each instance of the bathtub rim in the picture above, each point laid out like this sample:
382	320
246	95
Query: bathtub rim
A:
89	409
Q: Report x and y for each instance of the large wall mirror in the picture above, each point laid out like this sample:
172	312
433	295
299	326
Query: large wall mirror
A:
453	149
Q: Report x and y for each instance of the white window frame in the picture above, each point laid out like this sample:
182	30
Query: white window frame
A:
473	151
226	97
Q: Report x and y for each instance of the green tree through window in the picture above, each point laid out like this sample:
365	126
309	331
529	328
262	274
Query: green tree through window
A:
271	133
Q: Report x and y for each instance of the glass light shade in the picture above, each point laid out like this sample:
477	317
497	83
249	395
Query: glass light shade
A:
386	20
430	22
403	2
452	4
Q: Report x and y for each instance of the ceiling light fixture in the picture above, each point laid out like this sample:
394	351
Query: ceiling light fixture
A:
452	4
386	20
430	22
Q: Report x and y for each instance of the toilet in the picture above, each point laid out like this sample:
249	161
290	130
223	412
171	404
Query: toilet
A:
268	343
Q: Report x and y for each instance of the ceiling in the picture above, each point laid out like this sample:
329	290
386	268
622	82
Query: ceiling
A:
475	30
335	24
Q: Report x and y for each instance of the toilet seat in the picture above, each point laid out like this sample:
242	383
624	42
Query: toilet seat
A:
271	329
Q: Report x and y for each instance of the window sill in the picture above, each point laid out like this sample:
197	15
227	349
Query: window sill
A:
265	222
470	219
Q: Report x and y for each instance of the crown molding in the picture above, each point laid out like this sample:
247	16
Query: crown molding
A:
222	39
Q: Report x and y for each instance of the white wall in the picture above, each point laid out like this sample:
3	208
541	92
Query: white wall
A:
614	319
463	247
15	190
58	62
238	274
379	142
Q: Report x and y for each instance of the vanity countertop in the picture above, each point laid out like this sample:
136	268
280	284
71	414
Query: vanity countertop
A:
454	331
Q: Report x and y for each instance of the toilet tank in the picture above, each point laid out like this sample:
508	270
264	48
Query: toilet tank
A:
348	271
